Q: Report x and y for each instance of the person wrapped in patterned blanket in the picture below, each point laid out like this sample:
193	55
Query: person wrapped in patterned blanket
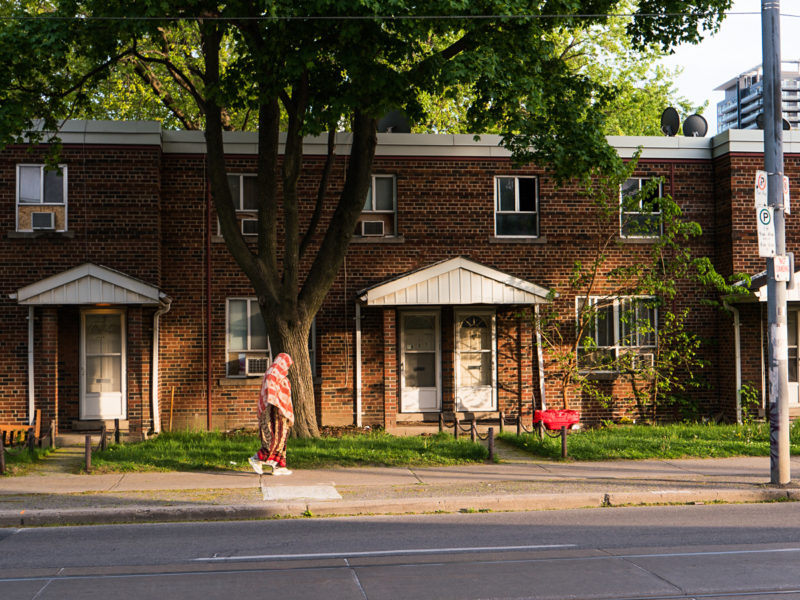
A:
275	417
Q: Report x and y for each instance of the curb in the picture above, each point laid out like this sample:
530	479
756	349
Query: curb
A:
324	508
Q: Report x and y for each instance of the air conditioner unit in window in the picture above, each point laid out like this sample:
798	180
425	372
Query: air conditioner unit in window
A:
43	220
250	226
257	365
372	228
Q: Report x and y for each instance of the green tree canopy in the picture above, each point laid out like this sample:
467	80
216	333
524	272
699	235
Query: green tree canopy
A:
309	66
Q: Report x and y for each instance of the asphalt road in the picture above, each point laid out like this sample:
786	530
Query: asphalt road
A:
715	551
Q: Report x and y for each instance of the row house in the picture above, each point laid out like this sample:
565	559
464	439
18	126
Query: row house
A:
119	299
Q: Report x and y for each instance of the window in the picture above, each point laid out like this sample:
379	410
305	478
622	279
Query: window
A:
640	212
41	198
619	333
516	206
248	352
380	208
244	193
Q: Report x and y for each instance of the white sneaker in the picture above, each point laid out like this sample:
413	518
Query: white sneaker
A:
271	463
256	464
281	471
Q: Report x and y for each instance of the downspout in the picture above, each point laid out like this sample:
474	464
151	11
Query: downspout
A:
738	353
357	383
164	305
540	358
763	366
208	305
31	395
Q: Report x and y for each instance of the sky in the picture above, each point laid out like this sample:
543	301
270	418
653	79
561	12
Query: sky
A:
731	51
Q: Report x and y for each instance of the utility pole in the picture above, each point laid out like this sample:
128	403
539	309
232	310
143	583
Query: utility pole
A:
776	290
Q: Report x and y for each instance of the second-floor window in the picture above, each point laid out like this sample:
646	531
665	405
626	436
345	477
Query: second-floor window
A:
640	208
516	207
41	198
245	200
379	215
618	333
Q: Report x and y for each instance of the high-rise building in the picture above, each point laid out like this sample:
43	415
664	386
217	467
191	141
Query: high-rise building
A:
744	98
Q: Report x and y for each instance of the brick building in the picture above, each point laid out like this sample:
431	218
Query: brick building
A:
119	299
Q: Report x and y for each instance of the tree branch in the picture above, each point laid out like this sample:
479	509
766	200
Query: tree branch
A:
323	187
148	77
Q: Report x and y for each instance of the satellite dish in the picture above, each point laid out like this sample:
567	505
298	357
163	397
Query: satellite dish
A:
695	126
670	121
760	122
395	121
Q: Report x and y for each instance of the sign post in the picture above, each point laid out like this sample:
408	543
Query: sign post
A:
777	190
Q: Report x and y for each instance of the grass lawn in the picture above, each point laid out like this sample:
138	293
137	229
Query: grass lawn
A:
19	458
662	441
192	451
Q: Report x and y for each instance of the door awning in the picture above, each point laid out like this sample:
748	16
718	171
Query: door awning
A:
455	281
88	284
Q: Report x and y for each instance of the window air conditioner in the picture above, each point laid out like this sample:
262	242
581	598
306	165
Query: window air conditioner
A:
372	228
42	220
249	226
257	365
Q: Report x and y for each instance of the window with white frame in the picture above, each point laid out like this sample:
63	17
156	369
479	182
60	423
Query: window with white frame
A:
640	209
379	215
41	198
616	333
248	351
244	193
516	207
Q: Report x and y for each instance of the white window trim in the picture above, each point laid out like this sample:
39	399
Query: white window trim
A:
516	210
65	203
239	203
248	350
373	211
642	181
618	346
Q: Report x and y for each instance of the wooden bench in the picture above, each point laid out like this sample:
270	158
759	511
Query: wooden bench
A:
18	433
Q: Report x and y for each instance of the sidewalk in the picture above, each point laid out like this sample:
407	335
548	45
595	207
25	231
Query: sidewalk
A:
48	496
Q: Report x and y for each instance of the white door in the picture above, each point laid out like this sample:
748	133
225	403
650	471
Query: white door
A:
420	389
475	381
794	358
102	381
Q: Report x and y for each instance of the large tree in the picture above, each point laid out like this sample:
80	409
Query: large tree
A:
313	67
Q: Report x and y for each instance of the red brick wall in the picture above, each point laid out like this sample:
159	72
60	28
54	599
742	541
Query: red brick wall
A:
144	213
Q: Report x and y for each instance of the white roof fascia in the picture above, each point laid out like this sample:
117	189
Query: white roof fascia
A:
129	133
403	290
89	284
751	141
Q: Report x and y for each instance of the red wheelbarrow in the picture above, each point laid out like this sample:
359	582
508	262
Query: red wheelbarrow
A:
558	420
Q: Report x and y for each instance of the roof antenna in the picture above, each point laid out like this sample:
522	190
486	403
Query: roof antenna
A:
670	121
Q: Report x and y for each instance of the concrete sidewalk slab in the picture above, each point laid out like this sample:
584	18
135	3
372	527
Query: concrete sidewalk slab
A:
530	485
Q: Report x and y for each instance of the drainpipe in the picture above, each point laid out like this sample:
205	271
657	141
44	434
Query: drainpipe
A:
164	305
31	395
358	365
208	305
540	358
738	352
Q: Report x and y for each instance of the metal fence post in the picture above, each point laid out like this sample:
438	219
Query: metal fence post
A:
88	453
116	431
563	441
2	453
455	425
502	421
103	437
441	422
491	444
473	429
53	434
